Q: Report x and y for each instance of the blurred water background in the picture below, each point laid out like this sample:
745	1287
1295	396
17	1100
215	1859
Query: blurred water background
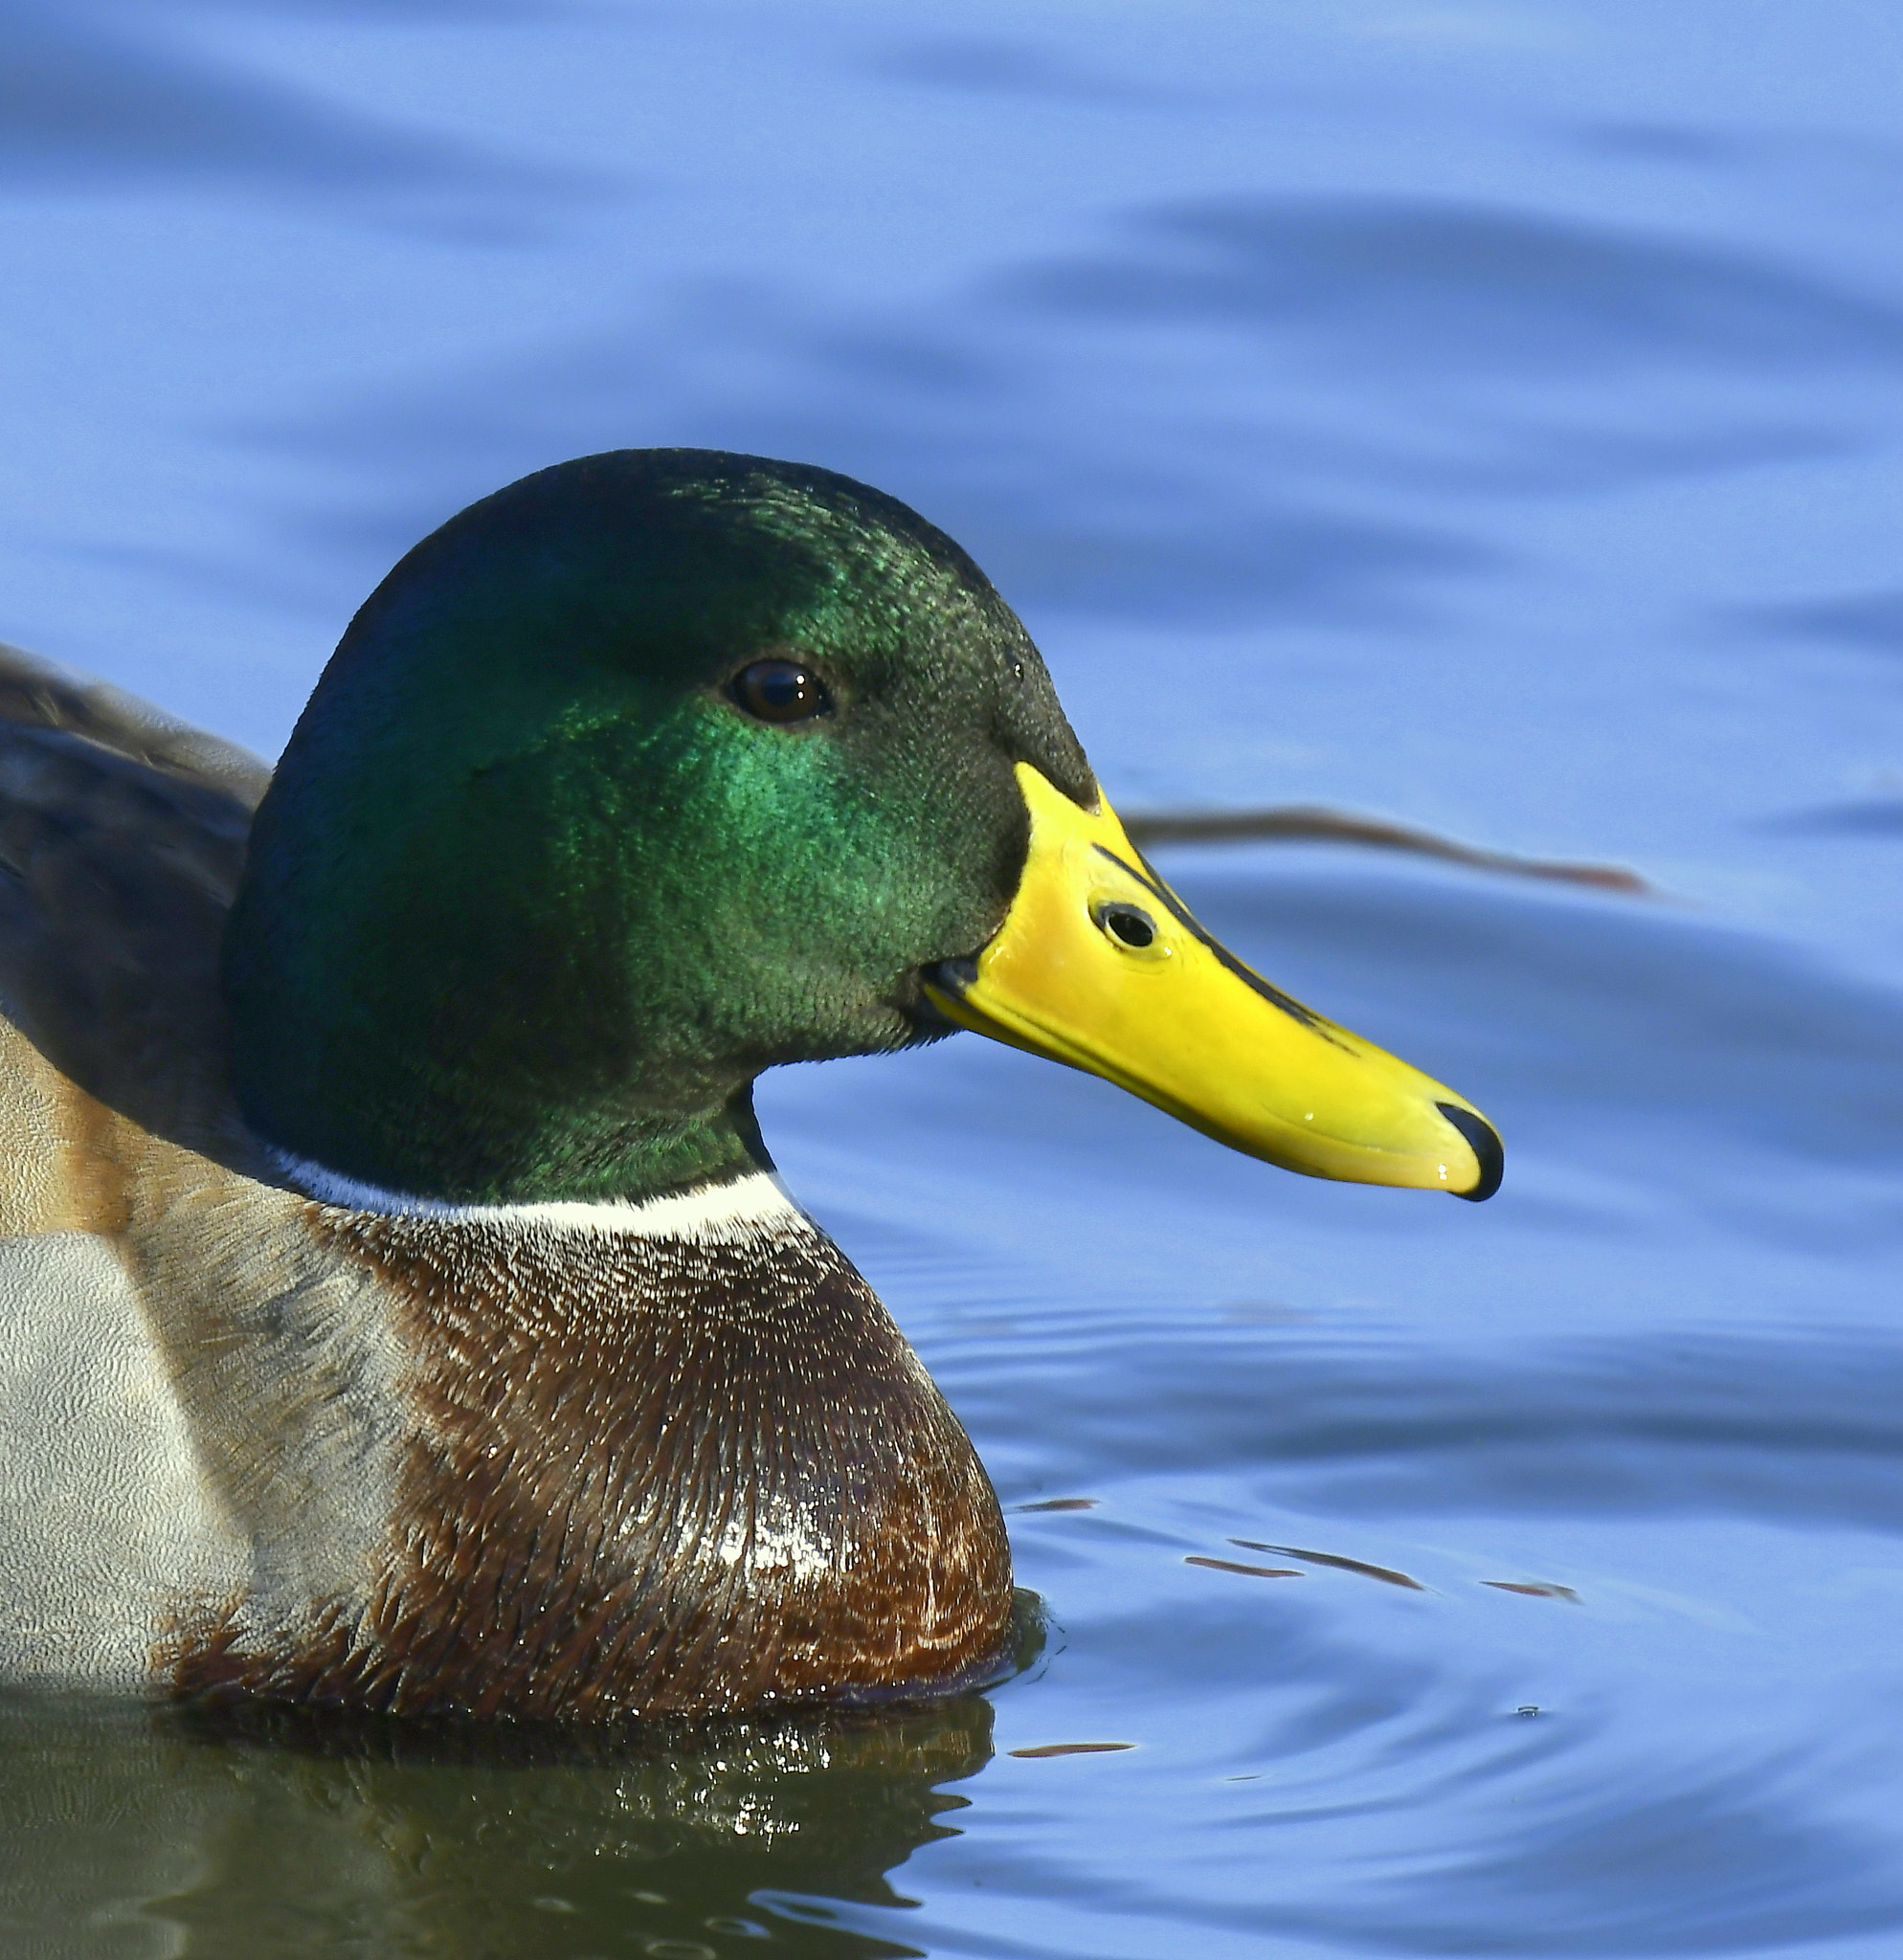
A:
1481	413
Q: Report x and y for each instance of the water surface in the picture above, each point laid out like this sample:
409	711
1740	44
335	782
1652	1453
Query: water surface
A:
1480	416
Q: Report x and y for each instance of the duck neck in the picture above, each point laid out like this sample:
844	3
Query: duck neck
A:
460	1143
470	1042
663	1173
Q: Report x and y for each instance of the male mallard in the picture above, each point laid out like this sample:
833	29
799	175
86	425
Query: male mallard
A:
397	1308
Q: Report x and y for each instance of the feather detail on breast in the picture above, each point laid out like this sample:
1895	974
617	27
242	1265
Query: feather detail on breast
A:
648	1475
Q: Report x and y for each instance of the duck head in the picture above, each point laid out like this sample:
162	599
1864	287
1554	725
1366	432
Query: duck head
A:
662	768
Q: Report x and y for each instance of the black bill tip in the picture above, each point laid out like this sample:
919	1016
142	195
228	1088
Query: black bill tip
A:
1484	1140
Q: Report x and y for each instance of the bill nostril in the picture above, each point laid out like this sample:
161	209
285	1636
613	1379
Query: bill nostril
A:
1484	1140
1128	925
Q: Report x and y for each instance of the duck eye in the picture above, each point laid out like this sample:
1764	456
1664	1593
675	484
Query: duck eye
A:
1128	924
780	691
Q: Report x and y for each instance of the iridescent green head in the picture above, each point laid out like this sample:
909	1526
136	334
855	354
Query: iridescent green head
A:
646	774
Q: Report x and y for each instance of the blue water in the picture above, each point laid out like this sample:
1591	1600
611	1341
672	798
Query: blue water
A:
1484	416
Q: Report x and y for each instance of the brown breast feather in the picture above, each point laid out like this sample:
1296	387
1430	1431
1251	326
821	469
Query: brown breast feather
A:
652	1476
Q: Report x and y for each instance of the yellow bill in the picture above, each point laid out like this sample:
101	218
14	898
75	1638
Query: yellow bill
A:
1098	963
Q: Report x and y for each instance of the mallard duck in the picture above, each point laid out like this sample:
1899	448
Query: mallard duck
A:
398	1308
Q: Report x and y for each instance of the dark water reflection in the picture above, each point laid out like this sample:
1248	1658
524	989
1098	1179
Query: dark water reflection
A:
123	1834
1872	621
1381	281
86	97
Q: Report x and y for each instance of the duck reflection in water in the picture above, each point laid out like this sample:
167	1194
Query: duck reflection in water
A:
246	1830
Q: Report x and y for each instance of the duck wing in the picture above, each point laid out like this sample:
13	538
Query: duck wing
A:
121	840
34	694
